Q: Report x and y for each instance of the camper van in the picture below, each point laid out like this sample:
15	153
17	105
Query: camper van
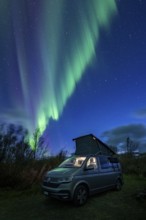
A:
93	168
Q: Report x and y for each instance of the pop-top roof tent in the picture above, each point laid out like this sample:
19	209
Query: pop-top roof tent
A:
89	144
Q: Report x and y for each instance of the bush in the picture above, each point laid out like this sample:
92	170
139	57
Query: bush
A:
25	173
134	165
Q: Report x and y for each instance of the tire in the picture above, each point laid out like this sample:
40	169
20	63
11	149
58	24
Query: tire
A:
80	195
118	185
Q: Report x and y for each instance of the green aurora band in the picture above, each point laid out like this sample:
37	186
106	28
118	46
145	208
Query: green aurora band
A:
65	43
77	55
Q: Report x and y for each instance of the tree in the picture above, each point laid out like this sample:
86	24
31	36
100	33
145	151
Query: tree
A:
40	146
131	146
7	140
36	137
13	143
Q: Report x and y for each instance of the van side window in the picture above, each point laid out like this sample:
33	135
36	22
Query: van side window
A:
92	162
104	162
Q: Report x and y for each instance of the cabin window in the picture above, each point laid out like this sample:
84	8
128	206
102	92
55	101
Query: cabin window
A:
105	163
92	162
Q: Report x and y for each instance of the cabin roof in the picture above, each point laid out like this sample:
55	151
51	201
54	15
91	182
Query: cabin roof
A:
90	144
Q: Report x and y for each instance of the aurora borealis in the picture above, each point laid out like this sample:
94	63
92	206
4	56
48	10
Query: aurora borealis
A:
52	51
62	73
42	69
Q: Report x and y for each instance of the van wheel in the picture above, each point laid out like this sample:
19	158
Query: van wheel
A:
118	185
80	195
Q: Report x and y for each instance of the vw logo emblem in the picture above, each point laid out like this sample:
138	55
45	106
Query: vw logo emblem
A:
48	180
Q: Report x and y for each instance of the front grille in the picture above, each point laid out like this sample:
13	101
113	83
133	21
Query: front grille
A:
52	185
51	179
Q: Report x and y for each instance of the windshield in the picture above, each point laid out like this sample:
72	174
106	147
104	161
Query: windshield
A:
73	162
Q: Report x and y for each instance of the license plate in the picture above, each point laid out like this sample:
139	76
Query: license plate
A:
45	193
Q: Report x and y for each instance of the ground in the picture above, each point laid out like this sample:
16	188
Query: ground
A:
32	205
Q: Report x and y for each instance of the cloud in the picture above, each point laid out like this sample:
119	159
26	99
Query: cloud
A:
117	136
141	113
14	117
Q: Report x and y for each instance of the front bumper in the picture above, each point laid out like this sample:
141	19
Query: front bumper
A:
62	194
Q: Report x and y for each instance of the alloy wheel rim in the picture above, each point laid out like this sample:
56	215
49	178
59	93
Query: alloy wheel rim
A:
82	196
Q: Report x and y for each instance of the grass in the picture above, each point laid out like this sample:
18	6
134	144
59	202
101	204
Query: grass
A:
32	205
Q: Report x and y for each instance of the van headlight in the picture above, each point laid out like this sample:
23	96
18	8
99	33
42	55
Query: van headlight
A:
65	179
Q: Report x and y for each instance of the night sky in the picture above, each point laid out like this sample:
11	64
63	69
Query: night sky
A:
74	67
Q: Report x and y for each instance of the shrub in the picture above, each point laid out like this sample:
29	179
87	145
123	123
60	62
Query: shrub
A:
134	165
24	174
